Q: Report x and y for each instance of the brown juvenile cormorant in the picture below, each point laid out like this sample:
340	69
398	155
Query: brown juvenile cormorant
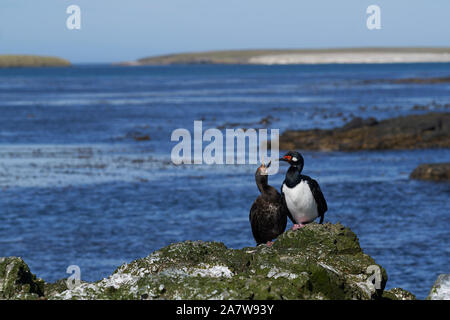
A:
267	218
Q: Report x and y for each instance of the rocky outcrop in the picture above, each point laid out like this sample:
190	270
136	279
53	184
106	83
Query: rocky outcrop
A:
17	282
398	294
431	130
315	262
433	172
441	288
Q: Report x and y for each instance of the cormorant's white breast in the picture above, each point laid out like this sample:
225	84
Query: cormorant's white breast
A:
300	202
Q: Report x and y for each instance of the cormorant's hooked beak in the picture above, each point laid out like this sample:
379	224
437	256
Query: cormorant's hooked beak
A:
286	158
263	168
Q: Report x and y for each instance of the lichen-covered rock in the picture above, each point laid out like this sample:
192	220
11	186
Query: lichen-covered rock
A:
17	282
315	262
398	294
432	171
441	288
54	288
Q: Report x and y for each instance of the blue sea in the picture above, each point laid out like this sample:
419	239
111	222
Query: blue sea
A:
86	176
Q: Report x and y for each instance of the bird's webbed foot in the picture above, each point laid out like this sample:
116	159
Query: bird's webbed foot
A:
298	226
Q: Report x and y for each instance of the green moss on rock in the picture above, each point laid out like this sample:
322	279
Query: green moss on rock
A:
17	282
398	294
315	262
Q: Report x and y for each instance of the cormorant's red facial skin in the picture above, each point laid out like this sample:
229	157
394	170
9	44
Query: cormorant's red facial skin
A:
287	158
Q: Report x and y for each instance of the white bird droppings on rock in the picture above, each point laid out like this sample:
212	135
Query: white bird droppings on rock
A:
214	271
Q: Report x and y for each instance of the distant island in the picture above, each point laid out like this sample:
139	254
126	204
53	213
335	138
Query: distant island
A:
302	56
14	61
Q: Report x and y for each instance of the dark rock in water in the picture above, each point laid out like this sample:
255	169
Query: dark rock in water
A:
315	262
433	171
17	282
437	80
431	130
145	137
263	123
267	120
358	123
423	80
137	136
441	288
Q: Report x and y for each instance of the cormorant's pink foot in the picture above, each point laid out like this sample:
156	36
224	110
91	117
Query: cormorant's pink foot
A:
297	226
269	243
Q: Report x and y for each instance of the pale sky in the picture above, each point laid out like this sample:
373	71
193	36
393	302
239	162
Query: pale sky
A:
117	30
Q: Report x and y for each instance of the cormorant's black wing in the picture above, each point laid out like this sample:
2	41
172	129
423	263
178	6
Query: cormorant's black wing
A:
318	196
284	207
254	222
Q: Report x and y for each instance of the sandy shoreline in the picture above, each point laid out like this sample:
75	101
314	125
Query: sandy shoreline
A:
302	56
327	58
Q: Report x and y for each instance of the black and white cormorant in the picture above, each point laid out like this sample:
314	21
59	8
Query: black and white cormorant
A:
267	218
300	194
